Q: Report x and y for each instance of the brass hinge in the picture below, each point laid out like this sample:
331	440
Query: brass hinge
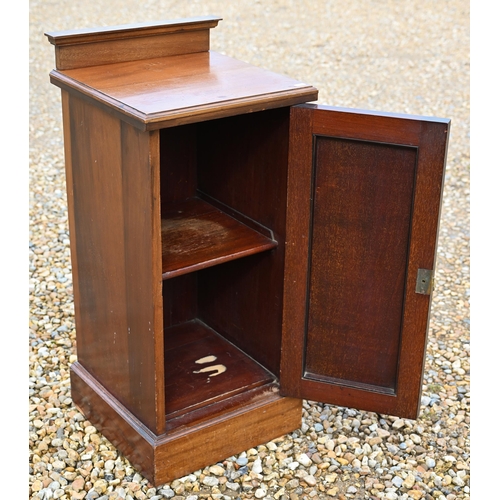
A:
425	281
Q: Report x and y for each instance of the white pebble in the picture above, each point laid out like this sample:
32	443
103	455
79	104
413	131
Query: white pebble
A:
304	460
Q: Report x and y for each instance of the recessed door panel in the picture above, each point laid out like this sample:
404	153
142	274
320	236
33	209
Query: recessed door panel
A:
363	196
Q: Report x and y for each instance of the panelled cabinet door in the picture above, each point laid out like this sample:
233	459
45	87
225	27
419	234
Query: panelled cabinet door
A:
364	197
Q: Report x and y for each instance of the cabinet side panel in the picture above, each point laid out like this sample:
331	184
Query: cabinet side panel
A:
363	194
112	419
98	236
65	101
110	302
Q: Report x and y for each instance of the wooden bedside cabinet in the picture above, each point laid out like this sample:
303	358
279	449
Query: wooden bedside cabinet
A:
235	249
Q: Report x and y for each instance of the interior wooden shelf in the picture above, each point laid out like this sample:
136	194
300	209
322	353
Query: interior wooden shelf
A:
202	369
196	235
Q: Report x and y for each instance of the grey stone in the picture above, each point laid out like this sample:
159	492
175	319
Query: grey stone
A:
310	480
304	460
425	400
167	492
233	486
210	481
397	481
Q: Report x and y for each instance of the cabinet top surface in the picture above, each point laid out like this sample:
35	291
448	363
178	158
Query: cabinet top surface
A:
156	91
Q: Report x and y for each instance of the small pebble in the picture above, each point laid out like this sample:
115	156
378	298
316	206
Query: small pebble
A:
257	466
304	460
210	481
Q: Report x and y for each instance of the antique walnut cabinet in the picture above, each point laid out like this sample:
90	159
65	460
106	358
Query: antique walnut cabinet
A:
235	249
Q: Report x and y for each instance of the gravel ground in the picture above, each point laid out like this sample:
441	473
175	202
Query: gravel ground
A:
393	55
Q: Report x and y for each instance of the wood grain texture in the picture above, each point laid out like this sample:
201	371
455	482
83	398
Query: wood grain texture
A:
190	350
114	420
116	233
195	235
133	30
113	44
298	216
362	204
254	422
402	128
141	209
168	91
370	231
162	458
242	299
70	57
180	299
178	164
68	166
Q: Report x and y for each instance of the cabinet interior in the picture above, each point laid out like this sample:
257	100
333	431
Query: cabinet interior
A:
223	205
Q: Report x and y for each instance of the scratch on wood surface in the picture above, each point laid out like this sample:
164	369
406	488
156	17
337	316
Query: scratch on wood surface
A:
206	359
218	369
